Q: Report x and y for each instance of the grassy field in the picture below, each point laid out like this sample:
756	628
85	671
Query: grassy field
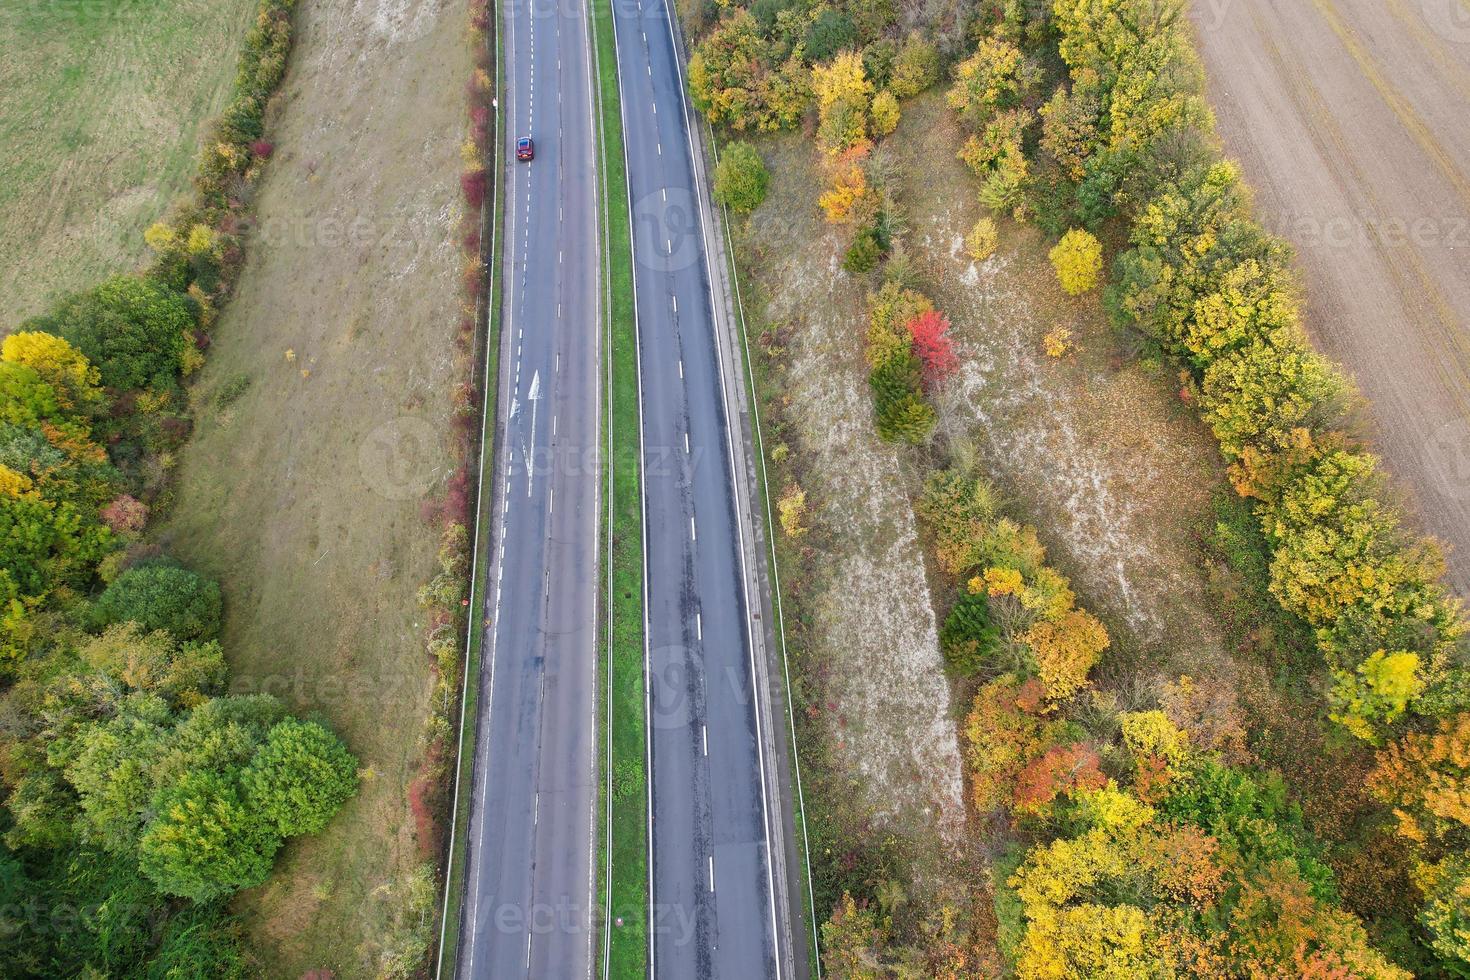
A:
628	849
101	103
323	440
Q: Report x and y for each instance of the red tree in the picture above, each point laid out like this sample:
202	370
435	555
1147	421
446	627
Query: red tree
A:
932	346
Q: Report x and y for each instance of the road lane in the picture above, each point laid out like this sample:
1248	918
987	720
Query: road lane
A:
528	908
714	805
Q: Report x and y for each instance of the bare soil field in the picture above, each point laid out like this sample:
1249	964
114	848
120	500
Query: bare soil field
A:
100	111
1349	120
322	431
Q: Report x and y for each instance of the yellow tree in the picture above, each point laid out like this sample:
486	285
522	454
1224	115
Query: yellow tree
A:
1066	649
1077	259
842	90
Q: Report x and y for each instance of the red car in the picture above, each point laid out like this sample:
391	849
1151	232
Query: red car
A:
525	149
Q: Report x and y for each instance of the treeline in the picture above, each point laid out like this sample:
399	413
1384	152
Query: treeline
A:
1121	141
139	796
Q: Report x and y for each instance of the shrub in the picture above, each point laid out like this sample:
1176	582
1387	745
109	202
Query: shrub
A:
865	252
162	596
981	242
968	639
1077	259
741	178
125	514
473	184
884	112
792	510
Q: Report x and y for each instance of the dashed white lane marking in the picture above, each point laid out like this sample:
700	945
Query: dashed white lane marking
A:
699	626
676	303
711	878
693	534
660	149
681	367
686	443
704	733
655	107
528	935
551	501
665	192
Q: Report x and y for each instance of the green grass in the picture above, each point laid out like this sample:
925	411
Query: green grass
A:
101	104
628	849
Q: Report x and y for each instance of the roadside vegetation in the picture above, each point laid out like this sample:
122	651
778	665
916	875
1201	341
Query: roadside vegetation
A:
140	794
1129	818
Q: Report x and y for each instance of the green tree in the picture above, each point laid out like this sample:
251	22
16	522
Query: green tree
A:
300	778
204	843
741	178
915	67
111	768
132	328
162	596
902	413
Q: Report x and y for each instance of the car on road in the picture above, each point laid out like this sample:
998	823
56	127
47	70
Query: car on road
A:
525	149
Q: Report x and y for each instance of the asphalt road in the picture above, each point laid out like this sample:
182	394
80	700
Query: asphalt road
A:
1349	117
529	903
715	808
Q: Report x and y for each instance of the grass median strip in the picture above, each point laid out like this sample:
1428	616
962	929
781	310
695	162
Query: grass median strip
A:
626	849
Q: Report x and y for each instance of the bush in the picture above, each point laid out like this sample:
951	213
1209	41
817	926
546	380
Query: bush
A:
1077	259
162	596
902	413
865	252
884	112
968	639
132	328
741	178
981	242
